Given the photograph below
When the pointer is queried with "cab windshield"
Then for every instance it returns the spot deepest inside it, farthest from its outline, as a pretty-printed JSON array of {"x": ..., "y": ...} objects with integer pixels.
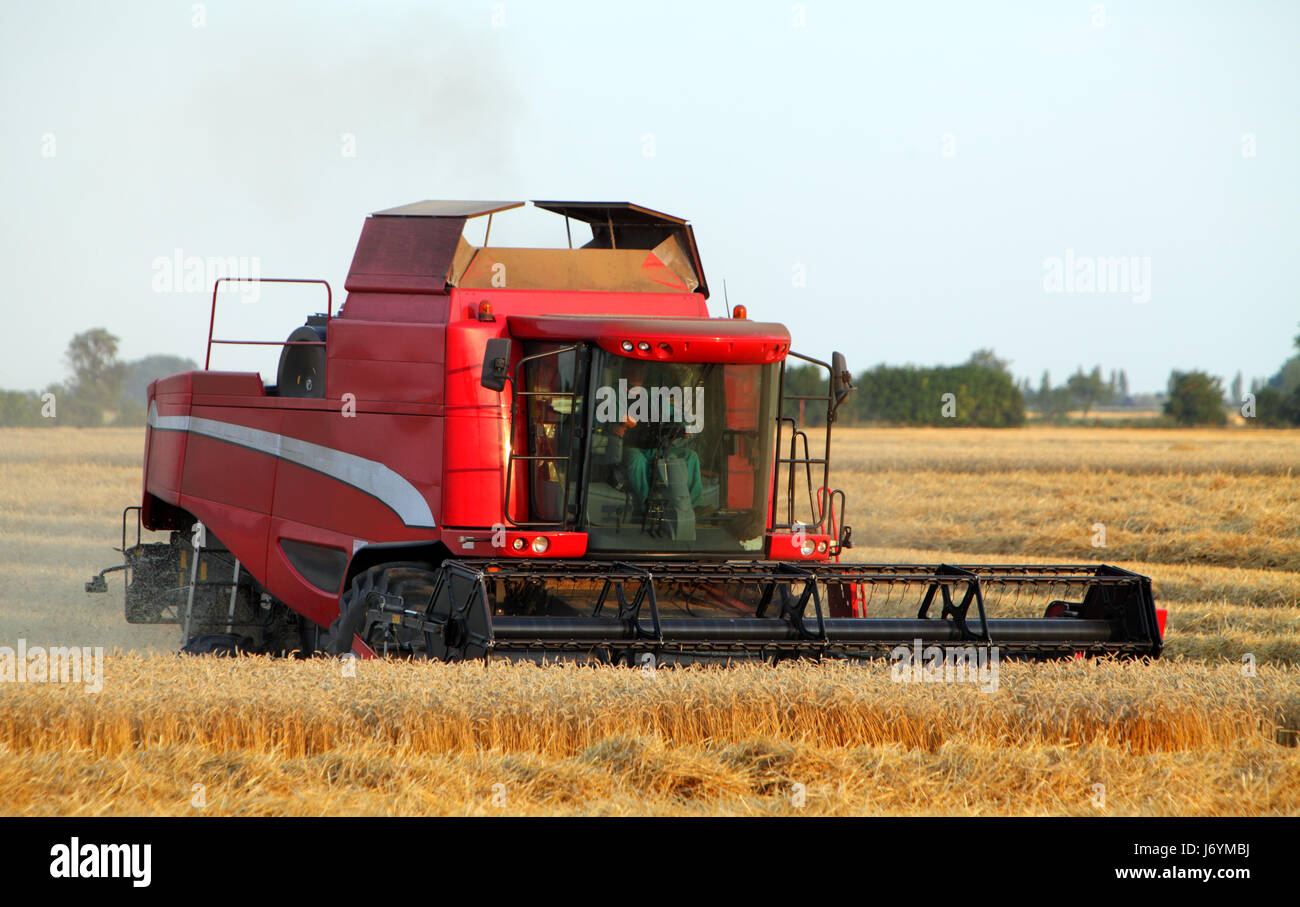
[{"x": 679, "y": 456}]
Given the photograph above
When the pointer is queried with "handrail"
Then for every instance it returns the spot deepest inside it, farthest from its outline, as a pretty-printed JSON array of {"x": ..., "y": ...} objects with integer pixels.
[
  {"x": 817, "y": 507},
  {"x": 212, "y": 317}
]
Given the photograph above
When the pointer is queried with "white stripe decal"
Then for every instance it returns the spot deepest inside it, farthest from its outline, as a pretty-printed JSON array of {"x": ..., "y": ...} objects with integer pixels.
[{"x": 369, "y": 476}]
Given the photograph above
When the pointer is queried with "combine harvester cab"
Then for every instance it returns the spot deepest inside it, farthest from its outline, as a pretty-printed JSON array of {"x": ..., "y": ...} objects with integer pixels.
[{"x": 548, "y": 454}]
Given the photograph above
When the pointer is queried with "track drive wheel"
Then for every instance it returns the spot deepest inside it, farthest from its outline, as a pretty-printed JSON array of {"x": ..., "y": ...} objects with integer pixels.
[{"x": 412, "y": 580}]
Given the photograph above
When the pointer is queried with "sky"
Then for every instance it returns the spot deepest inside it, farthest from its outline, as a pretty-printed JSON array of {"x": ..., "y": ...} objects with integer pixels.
[{"x": 905, "y": 182}]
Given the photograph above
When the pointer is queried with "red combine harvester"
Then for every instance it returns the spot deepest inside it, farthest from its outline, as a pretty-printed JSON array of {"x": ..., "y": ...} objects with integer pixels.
[{"x": 547, "y": 454}]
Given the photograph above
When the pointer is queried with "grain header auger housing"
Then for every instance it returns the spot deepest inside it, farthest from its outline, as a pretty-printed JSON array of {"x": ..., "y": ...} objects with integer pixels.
[{"x": 548, "y": 454}]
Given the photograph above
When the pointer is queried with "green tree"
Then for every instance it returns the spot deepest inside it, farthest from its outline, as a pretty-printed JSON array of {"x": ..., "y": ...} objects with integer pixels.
[
  {"x": 1087, "y": 389},
  {"x": 986, "y": 358},
  {"x": 1287, "y": 378},
  {"x": 1277, "y": 401},
  {"x": 1195, "y": 398},
  {"x": 1275, "y": 410},
  {"x": 908, "y": 395},
  {"x": 95, "y": 387},
  {"x": 1056, "y": 404},
  {"x": 98, "y": 386},
  {"x": 20, "y": 408}
]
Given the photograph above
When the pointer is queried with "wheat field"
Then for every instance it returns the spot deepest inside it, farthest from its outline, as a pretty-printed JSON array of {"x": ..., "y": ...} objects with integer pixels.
[{"x": 1212, "y": 516}]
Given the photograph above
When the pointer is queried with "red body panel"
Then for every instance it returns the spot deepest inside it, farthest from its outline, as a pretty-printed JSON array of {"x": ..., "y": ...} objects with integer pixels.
[
  {"x": 384, "y": 361},
  {"x": 316, "y": 604}
]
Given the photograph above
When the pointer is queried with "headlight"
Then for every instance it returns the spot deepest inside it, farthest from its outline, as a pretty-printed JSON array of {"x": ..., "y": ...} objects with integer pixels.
[
  {"x": 808, "y": 547},
  {"x": 540, "y": 544},
  {"x": 627, "y": 346},
  {"x": 821, "y": 547},
  {"x": 519, "y": 544}
]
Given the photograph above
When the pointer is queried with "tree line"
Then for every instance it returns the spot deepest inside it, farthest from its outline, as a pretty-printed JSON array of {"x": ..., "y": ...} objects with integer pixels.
[
  {"x": 100, "y": 389},
  {"x": 1081, "y": 391},
  {"x": 1277, "y": 400},
  {"x": 979, "y": 392},
  {"x": 1195, "y": 398},
  {"x": 983, "y": 392}
]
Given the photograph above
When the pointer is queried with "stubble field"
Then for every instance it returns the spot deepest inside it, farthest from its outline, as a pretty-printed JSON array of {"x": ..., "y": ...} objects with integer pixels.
[{"x": 1213, "y": 517}]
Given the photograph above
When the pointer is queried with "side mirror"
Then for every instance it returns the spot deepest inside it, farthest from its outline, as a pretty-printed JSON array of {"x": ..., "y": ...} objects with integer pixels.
[
  {"x": 841, "y": 380},
  {"x": 496, "y": 364}
]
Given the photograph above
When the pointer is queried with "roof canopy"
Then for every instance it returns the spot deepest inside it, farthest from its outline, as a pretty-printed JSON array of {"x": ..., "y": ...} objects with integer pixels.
[
  {"x": 601, "y": 212},
  {"x": 397, "y": 252},
  {"x": 446, "y": 208}
]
